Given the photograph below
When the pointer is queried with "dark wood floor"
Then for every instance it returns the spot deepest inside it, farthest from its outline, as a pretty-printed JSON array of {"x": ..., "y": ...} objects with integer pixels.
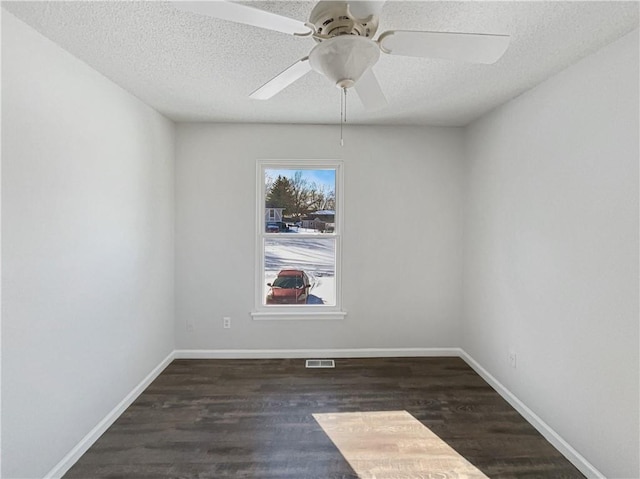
[{"x": 253, "y": 419}]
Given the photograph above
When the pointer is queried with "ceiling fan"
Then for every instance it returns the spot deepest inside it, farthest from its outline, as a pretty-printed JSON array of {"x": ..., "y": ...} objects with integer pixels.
[{"x": 345, "y": 49}]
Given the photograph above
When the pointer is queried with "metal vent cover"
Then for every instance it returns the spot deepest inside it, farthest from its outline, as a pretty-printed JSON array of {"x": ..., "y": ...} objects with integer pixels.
[{"x": 320, "y": 363}]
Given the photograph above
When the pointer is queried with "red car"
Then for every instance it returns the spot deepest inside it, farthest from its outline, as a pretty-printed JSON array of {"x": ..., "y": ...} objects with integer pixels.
[{"x": 290, "y": 287}]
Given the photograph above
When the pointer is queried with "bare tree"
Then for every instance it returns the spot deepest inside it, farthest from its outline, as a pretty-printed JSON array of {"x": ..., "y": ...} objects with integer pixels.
[
  {"x": 268, "y": 184},
  {"x": 330, "y": 201},
  {"x": 321, "y": 197},
  {"x": 300, "y": 190}
]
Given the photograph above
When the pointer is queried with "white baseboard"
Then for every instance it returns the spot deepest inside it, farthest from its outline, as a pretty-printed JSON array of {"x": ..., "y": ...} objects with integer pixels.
[
  {"x": 313, "y": 353},
  {"x": 86, "y": 442},
  {"x": 543, "y": 428}
]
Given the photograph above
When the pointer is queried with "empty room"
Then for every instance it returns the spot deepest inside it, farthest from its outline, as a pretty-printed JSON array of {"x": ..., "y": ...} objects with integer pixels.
[{"x": 313, "y": 240}]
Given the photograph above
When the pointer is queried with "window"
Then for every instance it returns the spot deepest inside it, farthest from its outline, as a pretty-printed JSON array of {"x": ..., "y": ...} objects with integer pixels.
[{"x": 298, "y": 240}]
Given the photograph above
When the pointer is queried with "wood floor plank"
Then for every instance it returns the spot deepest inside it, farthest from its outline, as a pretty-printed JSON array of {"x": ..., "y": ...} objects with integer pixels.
[{"x": 254, "y": 419}]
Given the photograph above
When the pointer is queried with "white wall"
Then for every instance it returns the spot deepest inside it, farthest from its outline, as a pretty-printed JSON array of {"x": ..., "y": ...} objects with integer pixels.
[
  {"x": 551, "y": 243},
  {"x": 402, "y": 235},
  {"x": 87, "y": 223}
]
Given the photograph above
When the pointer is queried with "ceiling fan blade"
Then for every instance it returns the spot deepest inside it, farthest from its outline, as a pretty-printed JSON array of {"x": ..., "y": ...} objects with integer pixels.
[
  {"x": 361, "y": 9},
  {"x": 369, "y": 91},
  {"x": 282, "y": 80},
  {"x": 470, "y": 47},
  {"x": 236, "y": 12}
]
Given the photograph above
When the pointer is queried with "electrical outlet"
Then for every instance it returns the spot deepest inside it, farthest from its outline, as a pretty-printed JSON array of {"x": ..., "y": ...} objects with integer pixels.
[
  {"x": 189, "y": 326},
  {"x": 512, "y": 359},
  {"x": 226, "y": 322}
]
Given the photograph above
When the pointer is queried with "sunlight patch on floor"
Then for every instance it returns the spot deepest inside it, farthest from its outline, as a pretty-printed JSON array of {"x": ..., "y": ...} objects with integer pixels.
[{"x": 394, "y": 445}]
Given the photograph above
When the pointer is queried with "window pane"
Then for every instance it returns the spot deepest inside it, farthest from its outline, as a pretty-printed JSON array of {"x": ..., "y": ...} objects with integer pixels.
[
  {"x": 300, "y": 201},
  {"x": 300, "y": 271}
]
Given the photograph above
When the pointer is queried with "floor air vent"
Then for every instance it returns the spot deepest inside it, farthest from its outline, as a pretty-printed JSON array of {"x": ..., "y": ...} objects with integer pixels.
[{"x": 320, "y": 363}]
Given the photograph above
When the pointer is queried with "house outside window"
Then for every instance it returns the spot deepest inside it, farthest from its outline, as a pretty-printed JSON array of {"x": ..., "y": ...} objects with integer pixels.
[{"x": 298, "y": 239}]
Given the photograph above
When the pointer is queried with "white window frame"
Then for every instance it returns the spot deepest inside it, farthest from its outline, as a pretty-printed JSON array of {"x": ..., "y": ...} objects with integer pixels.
[{"x": 308, "y": 311}]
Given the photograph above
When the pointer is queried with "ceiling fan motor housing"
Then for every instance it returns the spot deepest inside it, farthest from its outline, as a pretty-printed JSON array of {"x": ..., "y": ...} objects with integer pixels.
[{"x": 333, "y": 18}]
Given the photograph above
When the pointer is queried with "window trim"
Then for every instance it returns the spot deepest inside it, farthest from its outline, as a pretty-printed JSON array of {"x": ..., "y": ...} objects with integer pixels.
[{"x": 308, "y": 311}]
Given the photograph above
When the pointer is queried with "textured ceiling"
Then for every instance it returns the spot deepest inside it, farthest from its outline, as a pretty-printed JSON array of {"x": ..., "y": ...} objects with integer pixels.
[{"x": 196, "y": 68}]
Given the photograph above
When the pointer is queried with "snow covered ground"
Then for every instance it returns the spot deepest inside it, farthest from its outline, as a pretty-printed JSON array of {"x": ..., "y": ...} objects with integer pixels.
[{"x": 314, "y": 256}]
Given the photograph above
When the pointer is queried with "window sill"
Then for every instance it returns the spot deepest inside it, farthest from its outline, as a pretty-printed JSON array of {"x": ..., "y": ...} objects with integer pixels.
[{"x": 298, "y": 315}]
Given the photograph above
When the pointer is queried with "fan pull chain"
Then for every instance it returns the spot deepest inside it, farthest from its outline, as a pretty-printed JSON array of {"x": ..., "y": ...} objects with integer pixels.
[
  {"x": 345, "y": 104},
  {"x": 341, "y": 118},
  {"x": 343, "y": 113}
]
